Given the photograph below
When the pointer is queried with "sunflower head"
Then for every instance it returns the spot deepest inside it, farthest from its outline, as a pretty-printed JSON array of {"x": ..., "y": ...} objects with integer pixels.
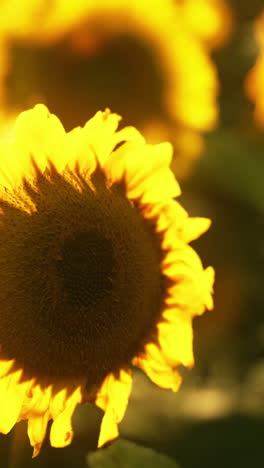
[
  {"x": 96, "y": 272},
  {"x": 158, "y": 50}
]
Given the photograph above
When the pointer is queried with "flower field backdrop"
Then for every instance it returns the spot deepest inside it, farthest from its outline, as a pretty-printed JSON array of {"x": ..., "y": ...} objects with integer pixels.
[{"x": 190, "y": 72}]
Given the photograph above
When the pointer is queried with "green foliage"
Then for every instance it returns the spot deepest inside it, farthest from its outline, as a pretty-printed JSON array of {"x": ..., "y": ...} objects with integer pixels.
[
  {"x": 125, "y": 454},
  {"x": 235, "y": 166}
]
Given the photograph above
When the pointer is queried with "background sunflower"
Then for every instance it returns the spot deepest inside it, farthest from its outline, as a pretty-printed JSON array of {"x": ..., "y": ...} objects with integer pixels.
[
  {"x": 136, "y": 57},
  {"x": 216, "y": 419}
]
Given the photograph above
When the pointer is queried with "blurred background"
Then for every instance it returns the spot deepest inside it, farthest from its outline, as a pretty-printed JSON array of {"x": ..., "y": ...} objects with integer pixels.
[{"x": 191, "y": 72}]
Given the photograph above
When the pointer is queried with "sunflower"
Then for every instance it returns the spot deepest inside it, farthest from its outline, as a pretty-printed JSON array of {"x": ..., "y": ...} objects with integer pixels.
[
  {"x": 96, "y": 272},
  {"x": 254, "y": 80},
  {"x": 159, "y": 50}
]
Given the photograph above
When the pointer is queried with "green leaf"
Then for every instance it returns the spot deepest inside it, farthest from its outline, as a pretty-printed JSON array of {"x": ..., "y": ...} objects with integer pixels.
[
  {"x": 125, "y": 454},
  {"x": 235, "y": 165}
]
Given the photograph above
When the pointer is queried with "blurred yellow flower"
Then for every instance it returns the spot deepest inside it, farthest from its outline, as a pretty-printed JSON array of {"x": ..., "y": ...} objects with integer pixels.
[
  {"x": 164, "y": 80},
  {"x": 210, "y": 20},
  {"x": 95, "y": 271},
  {"x": 255, "y": 78}
]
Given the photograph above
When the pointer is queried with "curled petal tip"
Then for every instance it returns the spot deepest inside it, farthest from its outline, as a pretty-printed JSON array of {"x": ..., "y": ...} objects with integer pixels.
[{"x": 36, "y": 450}]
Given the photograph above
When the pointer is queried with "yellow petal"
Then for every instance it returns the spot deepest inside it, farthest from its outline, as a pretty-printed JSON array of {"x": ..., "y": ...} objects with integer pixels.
[
  {"x": 181, "y": 262},
  {"x": 12, "y": 167},
  {"x": 37, "y": 428},
  {"x": 108, "y": 429},
  {"x": 78, "y": 151},
  {"x": 176, "y": 340},
  {"x": 146, "y": 163},
  {"x": 128, "y": 134},
  {"x": 208, "y": 281},
  {"x": 36, "y": 401},
  {"x": 115, "y": 166},
  {"x": 96, "y": 140},
  {"x": 99, "y": 134},
  {"x": 58, "y": 403},
  {"x": 11, "y": 397},
  {"x": 172, "y": 214},
  {"x": 159, "y": 186},
  {"x": 5, "y": 367},
  {"x": 157, "y": 369},
  {"x": 115, "y": 392},
  {"x": 112, "y": 398},
  {"x": 61, "y": 432},
  {"x": 144, "y": 168},
  {"x": 194, "y": 228},
  {"x": 92, "y": 143},
  {"x": 38, "y": 135}
]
